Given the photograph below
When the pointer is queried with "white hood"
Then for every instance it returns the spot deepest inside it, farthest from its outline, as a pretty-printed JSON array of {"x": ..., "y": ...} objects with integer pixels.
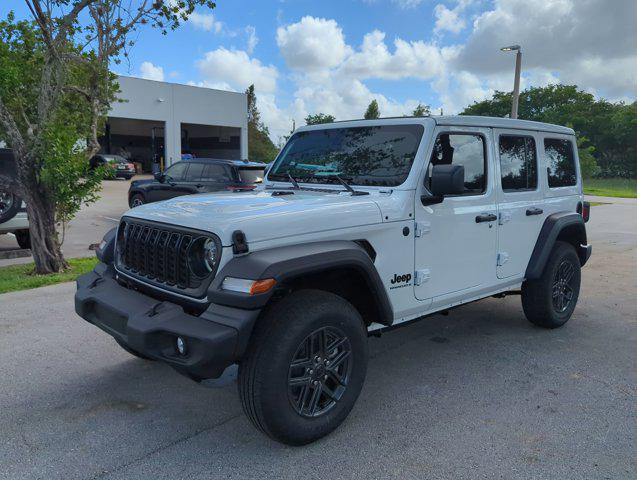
[{"x": 262, "y": 216}]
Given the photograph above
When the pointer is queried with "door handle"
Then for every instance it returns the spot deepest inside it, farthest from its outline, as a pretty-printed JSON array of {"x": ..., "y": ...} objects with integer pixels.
[
  {"x": 486, "y": 217},
  {"x": 534, "y": 211}
]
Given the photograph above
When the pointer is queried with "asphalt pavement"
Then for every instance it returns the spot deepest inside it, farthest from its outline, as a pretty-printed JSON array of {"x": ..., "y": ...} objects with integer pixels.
[{"x": 480, "y": 393}]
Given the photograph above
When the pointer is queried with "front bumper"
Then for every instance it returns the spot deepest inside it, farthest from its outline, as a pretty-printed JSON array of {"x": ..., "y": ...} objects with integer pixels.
[{"x": 215, "y": 339}]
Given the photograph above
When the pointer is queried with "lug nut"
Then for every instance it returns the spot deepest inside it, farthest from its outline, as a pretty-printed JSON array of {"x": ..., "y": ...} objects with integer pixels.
[{"x": 311, "y": 372}]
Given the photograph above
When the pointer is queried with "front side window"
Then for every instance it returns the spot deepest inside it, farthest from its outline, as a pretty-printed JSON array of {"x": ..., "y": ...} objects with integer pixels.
[
  {"x": 177, "y": 171},
  {"x": 518, "y": 163},
  {"x": 560, "y": 162},
  {"x": 374, "y": 156},
  {"x": 194, "y": 172},
  {"x": 464, "y": 149}
]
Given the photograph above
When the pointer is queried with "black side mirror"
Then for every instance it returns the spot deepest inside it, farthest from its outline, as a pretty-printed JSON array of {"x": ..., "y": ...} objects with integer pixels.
[
  {"x": 159, "y": 177},
  {"x": 445, "y": 180}
]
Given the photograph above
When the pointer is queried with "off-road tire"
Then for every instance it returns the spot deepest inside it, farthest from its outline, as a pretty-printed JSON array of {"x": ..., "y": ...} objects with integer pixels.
[
  {"x": 264, "y": 373},
  {"x": 538, "y": 295},
  {"x": 136, "y": 198},
  {"x": 11, "y": 212},
  {"x": 23, "y": 238},
  {"x": 135, "y": 353}
]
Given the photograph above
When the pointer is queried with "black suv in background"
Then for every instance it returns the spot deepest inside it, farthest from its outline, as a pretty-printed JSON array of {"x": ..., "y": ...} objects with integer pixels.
[{"x": 200, "y": 175}]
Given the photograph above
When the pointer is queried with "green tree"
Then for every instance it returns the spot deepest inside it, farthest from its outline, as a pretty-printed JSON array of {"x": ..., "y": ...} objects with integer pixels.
[
  {"x": 372, "y": 111},
  {"x": 55, "y": 92},
  {"x": 319, "y": 118},
  {"x": 421, "y": 111},
  {"x": 260, "y": 146},
  {"x": 609, "y": 128}
]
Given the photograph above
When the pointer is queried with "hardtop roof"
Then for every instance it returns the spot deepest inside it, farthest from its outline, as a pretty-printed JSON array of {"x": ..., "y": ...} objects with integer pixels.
[{"x": 451, "y": 120}]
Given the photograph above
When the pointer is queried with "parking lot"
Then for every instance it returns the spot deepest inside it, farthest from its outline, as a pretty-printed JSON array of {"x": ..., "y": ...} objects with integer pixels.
[
  {"x": 90, "y": 224},
  {"x": 480, "y": 393}
]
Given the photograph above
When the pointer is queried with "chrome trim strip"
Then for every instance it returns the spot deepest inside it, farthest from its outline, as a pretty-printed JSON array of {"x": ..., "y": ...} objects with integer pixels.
[{"x": 169, "y": 292}]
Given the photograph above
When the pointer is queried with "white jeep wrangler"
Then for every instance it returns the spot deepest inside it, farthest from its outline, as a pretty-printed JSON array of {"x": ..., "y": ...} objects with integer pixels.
[{"x": 361, "y": 226}]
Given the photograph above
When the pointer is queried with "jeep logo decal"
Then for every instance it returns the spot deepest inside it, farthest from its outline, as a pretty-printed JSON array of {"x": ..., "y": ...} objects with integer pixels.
[{"x": 406, "y": 278}]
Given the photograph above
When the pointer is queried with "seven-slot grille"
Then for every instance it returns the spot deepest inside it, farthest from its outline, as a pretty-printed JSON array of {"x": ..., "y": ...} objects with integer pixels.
[{"x": 159, "y": 254}]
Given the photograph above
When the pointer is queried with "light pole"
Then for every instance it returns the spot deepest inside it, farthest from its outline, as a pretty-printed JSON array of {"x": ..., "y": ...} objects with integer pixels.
[{"x": 516, "y": 82}]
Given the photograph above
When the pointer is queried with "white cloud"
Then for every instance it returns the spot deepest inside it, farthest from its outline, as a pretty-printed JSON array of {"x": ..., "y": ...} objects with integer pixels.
[
  {"x": 312, "y": 43},
  {"x": 151, "y": 72},
  {"x": 252, "y": 39},
  {"x": 448, "y": 19},
  {"x": 205, "y": 21},
  {"x": 587, "y": 42},
  {"x": 237, "y": 70}
]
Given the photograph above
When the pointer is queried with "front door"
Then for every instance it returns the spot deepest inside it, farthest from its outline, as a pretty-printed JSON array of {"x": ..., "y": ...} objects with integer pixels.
[
  {"x": 520, "y": 198},
  {"x": 172, "y": 185},
  {"x": 455, "y": 240}
]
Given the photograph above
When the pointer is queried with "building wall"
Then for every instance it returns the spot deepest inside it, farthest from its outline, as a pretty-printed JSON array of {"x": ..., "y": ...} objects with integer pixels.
[{"x": 176, "y": 104}]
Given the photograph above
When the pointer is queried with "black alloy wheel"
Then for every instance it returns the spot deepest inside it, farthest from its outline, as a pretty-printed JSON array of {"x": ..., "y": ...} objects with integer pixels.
[
  {"x": 319, "y": 372},
  {"x": 563, "y": 292}
]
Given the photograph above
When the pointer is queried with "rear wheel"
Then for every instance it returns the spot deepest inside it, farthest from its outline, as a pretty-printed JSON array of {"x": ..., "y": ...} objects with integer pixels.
[
  {"x": 24, "y": 239},
  {"x": 9, "y": 206},
  {"x": 136, "y": 200},
  {"x": 304, "y": 368},
  {"x": 550, "y": 300}
]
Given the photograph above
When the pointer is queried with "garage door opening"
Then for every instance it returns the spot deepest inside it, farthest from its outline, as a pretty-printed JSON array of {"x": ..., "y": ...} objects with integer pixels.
[
  {"x": 140, "y": 141},
  {"x": 210, "y": 141}
]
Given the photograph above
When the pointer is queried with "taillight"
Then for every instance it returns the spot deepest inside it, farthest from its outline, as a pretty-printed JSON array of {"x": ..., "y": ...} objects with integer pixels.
[
  {"x": 584, "y": 209},
  {"x": 130, "y": 166}
]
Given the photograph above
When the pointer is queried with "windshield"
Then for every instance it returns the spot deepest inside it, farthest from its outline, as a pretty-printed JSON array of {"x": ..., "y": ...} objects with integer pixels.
[
  {"x": 251, "y": 175},
  {"x": 374, "y": 156}
]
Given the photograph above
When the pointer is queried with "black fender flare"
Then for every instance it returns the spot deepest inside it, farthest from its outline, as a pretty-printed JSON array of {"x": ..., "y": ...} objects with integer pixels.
[
  {"x": 286, "y": 263},
  {"x": 566, "y": 224}
]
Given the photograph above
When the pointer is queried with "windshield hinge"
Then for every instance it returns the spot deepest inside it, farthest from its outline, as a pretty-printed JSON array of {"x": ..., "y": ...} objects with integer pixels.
[
  {"x": 421, "y": 228},
  {"x": 421, "y": 276}
]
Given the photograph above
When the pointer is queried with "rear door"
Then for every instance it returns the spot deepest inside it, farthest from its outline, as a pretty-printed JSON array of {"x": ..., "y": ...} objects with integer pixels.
[
  {"x": 521, "y": 210},
  {"x": 456, "y": 240}
]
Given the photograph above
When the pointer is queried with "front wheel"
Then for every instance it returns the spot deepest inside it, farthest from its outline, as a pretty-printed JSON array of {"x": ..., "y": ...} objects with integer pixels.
[
  {"x": 304, "y": 368},
  {"x": 136, "y": 200},
  {"x": 550, "y": 300}
]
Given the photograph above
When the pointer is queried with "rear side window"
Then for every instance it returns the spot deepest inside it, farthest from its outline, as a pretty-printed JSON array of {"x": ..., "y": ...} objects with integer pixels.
[
  {"x": 518, "y": 163},
  {"x": 464, "y": 149},
  {"x": 215, "y": 173},
  {"x": 560, "y": 162}
]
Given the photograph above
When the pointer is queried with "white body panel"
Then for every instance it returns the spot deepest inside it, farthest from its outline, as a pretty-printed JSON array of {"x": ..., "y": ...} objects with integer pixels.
[{"x": 456, "y": 257}]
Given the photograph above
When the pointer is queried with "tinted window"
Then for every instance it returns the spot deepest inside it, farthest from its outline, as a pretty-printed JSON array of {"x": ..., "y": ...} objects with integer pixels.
[
  {"x": 466, "y": 150},
  {"x": 215, "y": 173},
  {"x": 380, "y": 156},
  {"x": 194, "y": 172},
  {"x": 560, "y": 162},
  {"x": 177, "y": 171},
  {"x": 518, "y": 163},
  {"x": 251, "y": 175}
]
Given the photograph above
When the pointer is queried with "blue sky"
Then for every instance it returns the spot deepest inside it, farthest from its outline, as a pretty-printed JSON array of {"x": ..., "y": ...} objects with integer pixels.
[{"x": 336, "y": 56}]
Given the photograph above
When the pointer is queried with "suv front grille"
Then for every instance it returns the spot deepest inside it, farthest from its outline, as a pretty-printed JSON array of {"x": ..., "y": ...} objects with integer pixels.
[{"x": 156, "y": 253}]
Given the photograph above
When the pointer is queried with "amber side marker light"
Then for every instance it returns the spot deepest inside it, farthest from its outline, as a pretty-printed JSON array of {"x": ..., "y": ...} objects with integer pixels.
[{"x": 251, "y": 287}]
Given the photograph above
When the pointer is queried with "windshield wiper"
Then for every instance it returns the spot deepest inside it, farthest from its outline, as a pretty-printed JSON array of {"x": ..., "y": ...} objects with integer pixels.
[
  {"x": 347, "y": 186},
  {"x": 295, "y": 184}
]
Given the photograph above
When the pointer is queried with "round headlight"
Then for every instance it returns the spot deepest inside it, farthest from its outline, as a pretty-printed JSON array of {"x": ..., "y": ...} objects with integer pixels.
[{"x": 203, "y": 257}]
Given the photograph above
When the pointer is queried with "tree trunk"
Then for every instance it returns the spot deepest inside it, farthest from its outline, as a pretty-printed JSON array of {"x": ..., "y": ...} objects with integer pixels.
[{"x": 45, "y": 246}]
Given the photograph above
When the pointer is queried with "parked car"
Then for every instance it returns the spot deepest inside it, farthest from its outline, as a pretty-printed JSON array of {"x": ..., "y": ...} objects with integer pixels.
[
  {"x": 362, "y": 226},
  {"x": 13, "y": 212},
  {"x": 197, "y": 175},
  {"x": 117, "y": 166}
]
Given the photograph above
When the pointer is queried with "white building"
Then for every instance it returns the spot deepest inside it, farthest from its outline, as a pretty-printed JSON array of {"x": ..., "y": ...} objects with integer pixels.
[{"x": 159, "y": 122}]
